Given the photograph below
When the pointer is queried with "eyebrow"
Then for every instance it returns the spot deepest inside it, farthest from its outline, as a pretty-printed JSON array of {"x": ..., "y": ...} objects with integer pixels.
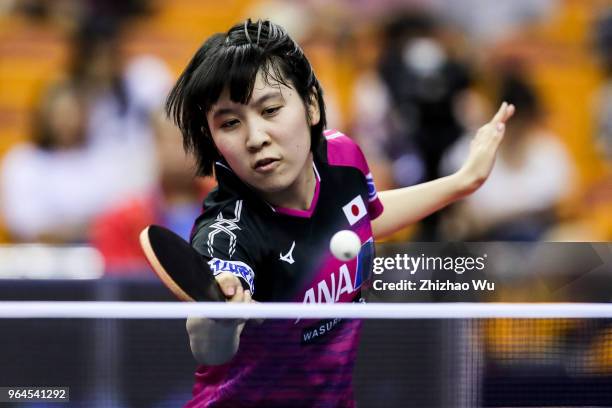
[{"x": 258, "y": 101}]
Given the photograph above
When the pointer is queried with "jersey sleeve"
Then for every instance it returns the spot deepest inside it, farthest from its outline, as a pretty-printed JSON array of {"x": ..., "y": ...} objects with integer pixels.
[
  {"x": 343, "y": 151},
  {"x": 225, "y": 241}
]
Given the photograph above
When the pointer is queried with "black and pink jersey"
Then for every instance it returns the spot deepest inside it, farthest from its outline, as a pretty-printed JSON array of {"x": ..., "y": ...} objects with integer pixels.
[{"x": 283, "y": 256}]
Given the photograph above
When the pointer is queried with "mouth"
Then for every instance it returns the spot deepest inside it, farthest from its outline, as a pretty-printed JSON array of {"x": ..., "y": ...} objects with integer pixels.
[{"x": 265, "y": 165}]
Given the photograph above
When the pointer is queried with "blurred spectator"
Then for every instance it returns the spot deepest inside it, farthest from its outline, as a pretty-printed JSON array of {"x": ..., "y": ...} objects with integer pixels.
[
  {"x": 69, "y": 12},
  {"x": 92, "y": 141},
  {"x": 532, "y": 173},
  {"x": 52, "y": 186},
  {"x": 174, "y": 203},
  {"x": 603, "y": 107},
  {"x": 407, "y": 111},
  {"x": 121, "y": 97},
  {"x": 589, "y": 215},
  {"x": 488, "y": 22}
]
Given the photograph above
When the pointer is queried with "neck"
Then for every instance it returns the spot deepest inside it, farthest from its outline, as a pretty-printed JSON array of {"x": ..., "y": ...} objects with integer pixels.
[{"x": 300, "y": 194}]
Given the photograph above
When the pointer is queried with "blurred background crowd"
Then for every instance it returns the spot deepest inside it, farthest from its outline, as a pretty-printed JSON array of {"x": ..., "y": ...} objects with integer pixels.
[{"x": 87, "y": 156}]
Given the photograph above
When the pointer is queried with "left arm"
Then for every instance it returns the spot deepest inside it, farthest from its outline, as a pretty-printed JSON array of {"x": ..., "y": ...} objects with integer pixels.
[{"x": 408, "y": 205}]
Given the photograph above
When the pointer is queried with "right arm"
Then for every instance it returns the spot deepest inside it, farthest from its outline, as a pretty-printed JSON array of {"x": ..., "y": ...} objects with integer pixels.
[{"x": 215, "y": 342}]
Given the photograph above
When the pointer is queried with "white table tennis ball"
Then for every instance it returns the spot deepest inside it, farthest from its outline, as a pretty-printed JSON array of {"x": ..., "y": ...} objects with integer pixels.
[{"x": 345, "y": 245}]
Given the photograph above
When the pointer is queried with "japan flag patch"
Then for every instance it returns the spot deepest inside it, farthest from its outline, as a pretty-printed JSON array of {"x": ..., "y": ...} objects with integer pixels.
[{"x": 354, "y": 210}]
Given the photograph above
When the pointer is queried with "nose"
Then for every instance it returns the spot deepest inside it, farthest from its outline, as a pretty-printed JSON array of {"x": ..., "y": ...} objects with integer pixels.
[{"x": 257, "y": 138}]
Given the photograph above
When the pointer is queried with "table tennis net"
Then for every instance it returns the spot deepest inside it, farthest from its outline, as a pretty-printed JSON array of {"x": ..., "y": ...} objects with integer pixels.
[{"x": 417, "y": 362}]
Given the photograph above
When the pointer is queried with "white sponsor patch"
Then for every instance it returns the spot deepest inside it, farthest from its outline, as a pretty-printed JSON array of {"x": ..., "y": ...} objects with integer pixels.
[{"x": 236, "y": 268}]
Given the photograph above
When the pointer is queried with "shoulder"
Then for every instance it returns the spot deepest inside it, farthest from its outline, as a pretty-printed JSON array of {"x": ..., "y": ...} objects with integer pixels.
[
  {"x": 224, "y": 226},
  {"x": 344, "y": 151},
  {"x": 229, "y": 212}
]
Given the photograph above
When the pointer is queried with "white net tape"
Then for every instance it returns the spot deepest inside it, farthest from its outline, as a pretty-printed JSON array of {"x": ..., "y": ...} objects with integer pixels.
[{"x": 177, "y": 310}]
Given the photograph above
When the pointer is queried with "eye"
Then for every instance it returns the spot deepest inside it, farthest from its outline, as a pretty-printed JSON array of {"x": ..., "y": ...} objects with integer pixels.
[
  {"x": 271, "y": 111},
  {"x": 229, "y": 124}
]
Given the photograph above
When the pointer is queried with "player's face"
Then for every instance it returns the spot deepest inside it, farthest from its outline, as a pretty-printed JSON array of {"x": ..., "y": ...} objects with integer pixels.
[{"x": 267, "y": 141}]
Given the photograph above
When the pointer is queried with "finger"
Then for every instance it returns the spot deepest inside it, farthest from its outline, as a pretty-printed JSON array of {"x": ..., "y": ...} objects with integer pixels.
[
  {"x": 500, "y": 113},
  {"x": 239, "y": 296},
  {"x": 250, "y": 299},
  {"x": 509, "y": 112},
  {"x": 228, "y": 283},
  {"x": 228, "y": 288}
]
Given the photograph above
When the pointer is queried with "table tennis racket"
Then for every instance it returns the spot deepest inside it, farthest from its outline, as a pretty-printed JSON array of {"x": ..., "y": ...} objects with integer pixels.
[{"x": 180, "y": 267}]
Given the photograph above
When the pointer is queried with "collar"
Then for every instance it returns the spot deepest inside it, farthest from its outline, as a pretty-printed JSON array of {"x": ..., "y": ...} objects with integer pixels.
[{"x": 228, "y": 181}]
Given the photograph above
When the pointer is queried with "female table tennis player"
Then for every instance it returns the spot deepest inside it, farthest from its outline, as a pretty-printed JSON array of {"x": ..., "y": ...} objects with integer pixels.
[{"x": 251, "y": 109}]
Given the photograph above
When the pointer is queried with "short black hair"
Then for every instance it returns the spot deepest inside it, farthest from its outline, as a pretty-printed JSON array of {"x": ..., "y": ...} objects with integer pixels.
[{"x": 233, "y": 60}]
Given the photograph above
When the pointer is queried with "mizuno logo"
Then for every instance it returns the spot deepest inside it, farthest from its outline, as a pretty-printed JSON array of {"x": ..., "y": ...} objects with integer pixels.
[{"x": 288, "y": 257}]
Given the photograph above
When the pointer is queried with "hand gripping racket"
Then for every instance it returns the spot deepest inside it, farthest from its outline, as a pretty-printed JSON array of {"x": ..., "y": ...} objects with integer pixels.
[{"x": 180, "y": 267}]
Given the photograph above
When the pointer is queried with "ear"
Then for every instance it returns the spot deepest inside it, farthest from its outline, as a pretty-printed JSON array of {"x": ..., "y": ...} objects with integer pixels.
[{"x": 314, "y": 113}]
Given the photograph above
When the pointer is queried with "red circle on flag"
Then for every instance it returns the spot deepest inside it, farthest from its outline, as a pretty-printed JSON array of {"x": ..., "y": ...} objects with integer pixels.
[{"x": 355, "y": 210}]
